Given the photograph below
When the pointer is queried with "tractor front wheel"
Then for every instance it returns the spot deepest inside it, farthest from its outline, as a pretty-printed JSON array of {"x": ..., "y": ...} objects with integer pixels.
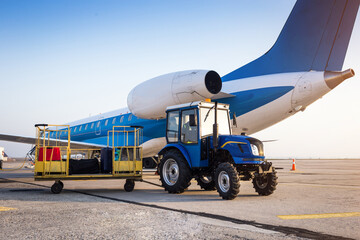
[
  {"x": 265, "y": 184},
  {"x": 227, "y": 181}
]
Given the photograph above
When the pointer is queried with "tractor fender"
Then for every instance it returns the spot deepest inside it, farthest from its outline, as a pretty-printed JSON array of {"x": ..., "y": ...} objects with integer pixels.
[{"x": 179, "y": 148}]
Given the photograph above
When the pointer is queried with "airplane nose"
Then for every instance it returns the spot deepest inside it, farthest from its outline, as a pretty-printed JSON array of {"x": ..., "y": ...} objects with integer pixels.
[{"x": 332, "y": 79}]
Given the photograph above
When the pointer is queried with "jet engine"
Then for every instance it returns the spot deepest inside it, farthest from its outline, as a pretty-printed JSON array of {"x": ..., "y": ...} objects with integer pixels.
[{"x": 150, "y": 99}]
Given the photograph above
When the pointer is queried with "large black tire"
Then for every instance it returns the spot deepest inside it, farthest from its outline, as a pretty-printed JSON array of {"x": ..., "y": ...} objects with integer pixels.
[
  {"x": 175, "y": 173},
  {"x": 265, "y": 185},
  {"x": 129, "y": 185},
  {"x": 57, "y": 187},
  {"x": 206, "y": 182},
  {"x": 227, "y": 181}
]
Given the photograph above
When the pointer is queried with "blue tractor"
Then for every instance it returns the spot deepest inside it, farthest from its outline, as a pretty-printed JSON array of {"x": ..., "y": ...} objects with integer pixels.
[{"x": 200, "y": 146}]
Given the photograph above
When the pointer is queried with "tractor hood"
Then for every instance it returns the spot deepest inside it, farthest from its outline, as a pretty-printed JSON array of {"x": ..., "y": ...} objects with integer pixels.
[{"x": 242, "y": 148}]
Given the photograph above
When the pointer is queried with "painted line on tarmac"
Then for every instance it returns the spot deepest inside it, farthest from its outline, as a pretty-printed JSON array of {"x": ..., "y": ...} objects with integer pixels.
[
  {"x": 322, "y": 185},
  {"x": 3, "y": 209},
  {"x": 293, "y": 231},
  {"x": 323, "y": 215}
]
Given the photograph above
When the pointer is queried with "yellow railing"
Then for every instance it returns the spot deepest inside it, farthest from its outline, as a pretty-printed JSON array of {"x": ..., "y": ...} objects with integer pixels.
[
  {"x": 50, "y": 150},
  {"x": 52, "y": 155},
  {"x": 127, "y": 153}
]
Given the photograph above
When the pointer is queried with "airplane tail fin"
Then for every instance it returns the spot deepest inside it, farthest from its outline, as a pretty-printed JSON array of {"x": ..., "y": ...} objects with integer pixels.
[{"x": 315, "y": 37}]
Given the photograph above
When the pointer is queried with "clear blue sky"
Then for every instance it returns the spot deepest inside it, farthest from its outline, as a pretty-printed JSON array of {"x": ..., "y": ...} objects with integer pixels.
[{"x": 65, "y": 60}]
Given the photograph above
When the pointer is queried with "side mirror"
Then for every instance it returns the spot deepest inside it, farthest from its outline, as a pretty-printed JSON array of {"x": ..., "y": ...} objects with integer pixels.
[{"x": 193, "y": 121}]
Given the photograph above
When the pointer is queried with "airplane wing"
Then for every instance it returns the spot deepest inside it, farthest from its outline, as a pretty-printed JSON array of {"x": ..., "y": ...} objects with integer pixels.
[
  {"x": 32, "y": 140},
  {"x": 222, "y": 95}
]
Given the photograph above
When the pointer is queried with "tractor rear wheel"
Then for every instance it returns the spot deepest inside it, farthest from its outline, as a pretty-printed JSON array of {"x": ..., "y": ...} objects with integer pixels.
[
  {"x": 206, "y": 182},
  {"x": 227, "y": 181},
  {"x": 175, "y": 173},
  {"x": 265, "y": 184}
]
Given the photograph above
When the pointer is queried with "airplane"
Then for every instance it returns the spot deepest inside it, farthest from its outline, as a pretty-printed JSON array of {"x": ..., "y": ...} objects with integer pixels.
[{"x": 303, "y": 65}]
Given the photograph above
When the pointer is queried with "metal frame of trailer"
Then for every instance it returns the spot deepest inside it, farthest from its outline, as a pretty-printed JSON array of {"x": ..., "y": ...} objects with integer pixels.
[{"x": 53, "y": 154}]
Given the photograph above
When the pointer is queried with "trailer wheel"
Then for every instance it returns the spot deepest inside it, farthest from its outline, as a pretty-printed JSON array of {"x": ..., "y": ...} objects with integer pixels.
[
  {"x": 227, "y": 181},
  {"x": 265, "y": 185},
  {"x": 129, "y": 185},
  {"x": 57, "y": 187},
  {"x": 175, "y": 173},
  {"x": 206, "y": 182}
]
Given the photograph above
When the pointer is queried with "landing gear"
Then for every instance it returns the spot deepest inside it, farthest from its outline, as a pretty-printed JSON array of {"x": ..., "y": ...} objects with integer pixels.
[
  {"x": 265, "y": 184},
  {"x": 149, "y": 163},
  {"x": 227, "y": 181},
  {"x": 206, "y": 182},
  {"x": 57, "y": 187},
  {"x": 129, "y": 185},
  {"x": 175, "y": 174}
]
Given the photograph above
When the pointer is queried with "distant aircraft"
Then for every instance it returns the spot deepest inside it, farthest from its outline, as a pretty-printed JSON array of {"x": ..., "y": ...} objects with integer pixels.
[{"x": 304, "y": 64}]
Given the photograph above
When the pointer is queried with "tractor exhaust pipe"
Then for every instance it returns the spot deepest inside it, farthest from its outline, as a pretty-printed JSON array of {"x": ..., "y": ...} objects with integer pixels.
[{"x": 215, "y": 130}]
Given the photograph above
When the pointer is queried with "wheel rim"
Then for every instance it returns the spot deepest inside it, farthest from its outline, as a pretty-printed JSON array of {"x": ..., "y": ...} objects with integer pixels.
[
  {"x": 261, "y": 182},
  {"x": 206, "y": 179},
  {"x": 170, "y": 172},
  {"x": 224, "y": 181}
]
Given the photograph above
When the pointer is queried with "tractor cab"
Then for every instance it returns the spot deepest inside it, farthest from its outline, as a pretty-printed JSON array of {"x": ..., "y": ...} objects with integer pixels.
[{"x": 191, "y": 127}]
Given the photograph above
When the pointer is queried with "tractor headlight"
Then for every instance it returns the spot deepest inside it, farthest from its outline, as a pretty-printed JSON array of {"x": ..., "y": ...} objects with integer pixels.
[{"x": 254, "y": 149}]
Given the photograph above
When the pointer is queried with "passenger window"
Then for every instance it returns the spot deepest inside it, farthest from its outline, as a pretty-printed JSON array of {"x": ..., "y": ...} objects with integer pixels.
[
  {"x": 80, "y": 128},
  {"x": 172, "y": 129},
  {"x": 129, "y": 119},
  {"x": 113, "y": 122},
  {"x": 75, "y": 129},
  {"x": 106, "y": 122},
  {"x": 92, "y": 125},
  {"x": 121, "y": 119},
  {"x": 98, "y": 124},
  {"x": 86, "y": 126},
  {"x": 189, "y": 132}
]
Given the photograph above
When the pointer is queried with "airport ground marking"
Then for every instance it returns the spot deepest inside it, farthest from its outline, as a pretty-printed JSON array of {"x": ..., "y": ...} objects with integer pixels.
[
  {"x": 321, "y": 185},
  {"x": 3, "y": 209},
  {"x": 323, "y": 215},
  {"x": 300, "y": 232}
]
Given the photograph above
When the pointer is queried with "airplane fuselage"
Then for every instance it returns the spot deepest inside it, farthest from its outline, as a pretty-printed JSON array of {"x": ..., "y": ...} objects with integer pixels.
[{"x": 257, "y": 102}]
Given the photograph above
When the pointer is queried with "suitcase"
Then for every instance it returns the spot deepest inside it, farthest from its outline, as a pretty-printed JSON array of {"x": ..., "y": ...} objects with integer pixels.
[
  {"x": 83, "y": 166},
  {"x": 106, "y": 160},
  {"x": 51, "y": 154}
]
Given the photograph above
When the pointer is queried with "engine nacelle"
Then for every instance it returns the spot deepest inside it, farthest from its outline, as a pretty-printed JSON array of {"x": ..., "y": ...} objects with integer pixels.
[{"x": 151, "y": 98}]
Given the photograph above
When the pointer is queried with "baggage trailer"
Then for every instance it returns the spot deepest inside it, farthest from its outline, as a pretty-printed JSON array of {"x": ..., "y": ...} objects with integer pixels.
[{"x": 56, "y": 160}]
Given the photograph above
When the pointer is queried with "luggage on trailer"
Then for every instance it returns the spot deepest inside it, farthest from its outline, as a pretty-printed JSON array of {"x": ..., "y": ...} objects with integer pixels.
[
  {"x": 83, "y": 166},
  {"x": 106, "y": 160},
  {"x": 51, "y": 154}
]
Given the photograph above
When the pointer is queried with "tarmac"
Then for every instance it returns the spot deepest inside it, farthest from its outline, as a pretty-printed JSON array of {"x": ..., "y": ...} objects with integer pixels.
[{"x": 320, "y": 200}]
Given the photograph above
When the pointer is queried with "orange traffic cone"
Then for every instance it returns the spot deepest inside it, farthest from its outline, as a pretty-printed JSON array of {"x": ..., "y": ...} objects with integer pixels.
[{"x": 293, "y": 168}]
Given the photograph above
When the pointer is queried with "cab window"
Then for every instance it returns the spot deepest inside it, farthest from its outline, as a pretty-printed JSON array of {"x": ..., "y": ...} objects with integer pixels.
[
  {"x": 172, "y": 129},
  {"x": 189, "y": 128}
]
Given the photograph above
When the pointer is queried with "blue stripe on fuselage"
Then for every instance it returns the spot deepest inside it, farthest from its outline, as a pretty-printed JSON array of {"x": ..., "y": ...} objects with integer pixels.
[{"x": 249, "y": 100}]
